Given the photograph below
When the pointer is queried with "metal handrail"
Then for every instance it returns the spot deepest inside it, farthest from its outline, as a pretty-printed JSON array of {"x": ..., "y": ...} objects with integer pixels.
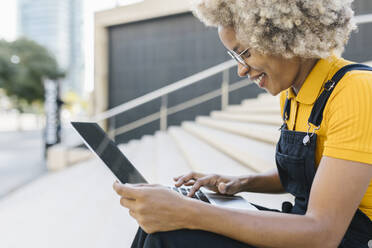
[
  {"x": 360, "y": 19},
  {"x": 182, "y": 106},
  {"x": 165, "y": 90}
]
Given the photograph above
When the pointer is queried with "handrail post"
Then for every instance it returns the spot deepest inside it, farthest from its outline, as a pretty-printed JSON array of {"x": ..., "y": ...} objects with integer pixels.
[
  {"x": 225, "y": 89},
  {"x": 163, "y": 113},
  {"x": 112, "y": 128}
]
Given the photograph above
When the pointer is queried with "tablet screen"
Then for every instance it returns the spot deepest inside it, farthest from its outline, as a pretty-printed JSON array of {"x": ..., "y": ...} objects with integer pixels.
[{"x": 99, "y": 142}]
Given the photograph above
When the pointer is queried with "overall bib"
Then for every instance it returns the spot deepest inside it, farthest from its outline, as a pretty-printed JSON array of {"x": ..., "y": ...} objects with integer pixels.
[{"x": 295, "y": 159}]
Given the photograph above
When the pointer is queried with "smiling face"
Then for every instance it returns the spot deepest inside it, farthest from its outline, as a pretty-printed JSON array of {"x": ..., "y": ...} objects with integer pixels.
[{"x": 273, "y": 73}]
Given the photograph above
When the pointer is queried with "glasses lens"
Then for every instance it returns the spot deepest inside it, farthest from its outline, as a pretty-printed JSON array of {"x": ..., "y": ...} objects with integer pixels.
[
  {"x": 237, "y": 58},
  {"x": 232, "y": 55}
]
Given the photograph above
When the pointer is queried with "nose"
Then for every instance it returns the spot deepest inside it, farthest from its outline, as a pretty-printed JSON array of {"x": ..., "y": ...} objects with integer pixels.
[{"x": 243, "y": 71}]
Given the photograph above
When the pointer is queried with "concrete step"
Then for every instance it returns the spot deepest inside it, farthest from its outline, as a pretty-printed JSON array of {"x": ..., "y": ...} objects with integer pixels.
[
  {"x": 169, "y": 160},
  {"x": 272, "y": 109},
  {"x": 272, "y": 119},
  {"x": 156, "y": 157},
  {"x": 256, "y": 155},
  {"x": 266, "y": 95},
  {"x": 262, "y": 99},
  {"x": 133, "y": 142},
  {"x": 264, "y": 133},
  {"x": 60, "y": 156},
  {"x": 203, "y": 158},
  {"x": 142, "y": 155},
  {"x": 129, "y": 150}
]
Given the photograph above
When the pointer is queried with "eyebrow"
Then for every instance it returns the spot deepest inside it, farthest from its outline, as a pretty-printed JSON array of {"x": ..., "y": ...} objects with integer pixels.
[{"x": 235, "y": 49}]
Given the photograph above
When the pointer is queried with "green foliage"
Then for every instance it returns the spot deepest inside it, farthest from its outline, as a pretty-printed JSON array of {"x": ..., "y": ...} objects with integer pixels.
[{"x": 23, "y": 65}]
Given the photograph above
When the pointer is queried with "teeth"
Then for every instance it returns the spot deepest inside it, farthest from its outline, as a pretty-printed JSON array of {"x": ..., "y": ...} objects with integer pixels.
[{"x": 258, "y": 80}]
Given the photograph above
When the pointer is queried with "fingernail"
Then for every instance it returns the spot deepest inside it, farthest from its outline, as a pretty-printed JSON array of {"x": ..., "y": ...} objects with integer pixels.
[{"x": 222, "y": 188}]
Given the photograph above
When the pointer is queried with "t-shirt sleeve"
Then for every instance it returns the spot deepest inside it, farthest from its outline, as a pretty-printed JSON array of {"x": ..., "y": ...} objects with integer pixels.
[{"x": 349, "y": 119}]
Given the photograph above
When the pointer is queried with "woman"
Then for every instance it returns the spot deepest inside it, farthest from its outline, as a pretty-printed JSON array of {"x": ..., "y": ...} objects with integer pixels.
[{"x": 324, "y": 155}]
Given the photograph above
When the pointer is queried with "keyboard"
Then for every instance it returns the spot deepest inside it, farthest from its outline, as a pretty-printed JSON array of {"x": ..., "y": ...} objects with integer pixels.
[{"x": 198, "y": 194}]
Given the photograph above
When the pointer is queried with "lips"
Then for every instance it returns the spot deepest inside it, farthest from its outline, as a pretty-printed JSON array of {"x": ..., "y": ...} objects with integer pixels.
[
  {"x": 259, "y": 79},
  {"x": 253, "y": 78}
]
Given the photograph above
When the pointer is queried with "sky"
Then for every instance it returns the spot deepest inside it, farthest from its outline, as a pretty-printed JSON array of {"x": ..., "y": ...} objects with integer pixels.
[
  {"x": 8, "y": 19},
  {"x": 8, "y": 29},
  {"x": 8, "y": 15}
]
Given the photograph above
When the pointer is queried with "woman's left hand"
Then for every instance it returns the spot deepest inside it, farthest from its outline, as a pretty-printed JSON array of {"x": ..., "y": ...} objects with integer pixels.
[{"x": 156, "y": 208}]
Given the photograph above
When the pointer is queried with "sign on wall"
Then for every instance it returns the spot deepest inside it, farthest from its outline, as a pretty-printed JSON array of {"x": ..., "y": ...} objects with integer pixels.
[{"x": 52, "y": 111}]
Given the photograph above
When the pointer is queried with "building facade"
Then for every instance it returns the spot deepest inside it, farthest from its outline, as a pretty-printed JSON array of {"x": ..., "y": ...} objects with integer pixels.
[
  {"x": 57, "y": 25},
  {"x": 146, "y": 46}
]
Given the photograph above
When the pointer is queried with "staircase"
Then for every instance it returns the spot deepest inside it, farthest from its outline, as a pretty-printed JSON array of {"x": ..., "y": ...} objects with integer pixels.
[{"x": 77, "y": 207}]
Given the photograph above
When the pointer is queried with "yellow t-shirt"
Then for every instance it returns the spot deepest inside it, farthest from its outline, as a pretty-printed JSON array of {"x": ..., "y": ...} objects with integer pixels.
[{"x": 346, "y": 129}]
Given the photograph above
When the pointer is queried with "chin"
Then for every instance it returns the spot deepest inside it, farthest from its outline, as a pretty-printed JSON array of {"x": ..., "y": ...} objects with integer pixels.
[
  {"x": 272, "y": 92},
  {"x": 267, "y": 86}
]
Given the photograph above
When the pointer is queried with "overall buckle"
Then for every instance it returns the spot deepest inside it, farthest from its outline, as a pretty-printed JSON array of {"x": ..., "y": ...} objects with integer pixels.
[
  {"x": 329, "y": 85},
  {"x": 306, "y": 139}
]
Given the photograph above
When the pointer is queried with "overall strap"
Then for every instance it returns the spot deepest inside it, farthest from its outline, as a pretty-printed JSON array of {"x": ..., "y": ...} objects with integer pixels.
[
  {"x": 286, "y": 113},
  {"x": 286, "y": 110},
  {"x": 316, "y": 115}
]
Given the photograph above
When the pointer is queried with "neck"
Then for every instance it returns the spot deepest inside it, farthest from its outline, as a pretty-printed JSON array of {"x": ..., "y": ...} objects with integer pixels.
[{"x": 306, "y": 65}]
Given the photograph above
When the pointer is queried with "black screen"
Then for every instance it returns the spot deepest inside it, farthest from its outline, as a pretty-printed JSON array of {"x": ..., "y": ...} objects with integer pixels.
[{"x": 98, "y": 141}]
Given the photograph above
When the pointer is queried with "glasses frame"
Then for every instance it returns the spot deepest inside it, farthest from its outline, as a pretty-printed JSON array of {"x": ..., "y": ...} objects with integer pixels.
[{"x": 238, "y": 57}]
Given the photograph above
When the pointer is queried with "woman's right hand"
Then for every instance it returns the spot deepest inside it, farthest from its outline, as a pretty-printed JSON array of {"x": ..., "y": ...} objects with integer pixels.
[{"x": 228, "y": 185}]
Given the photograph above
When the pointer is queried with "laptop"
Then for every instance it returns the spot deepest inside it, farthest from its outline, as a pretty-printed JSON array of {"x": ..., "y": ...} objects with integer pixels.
[{"x": 105, "y": 148}]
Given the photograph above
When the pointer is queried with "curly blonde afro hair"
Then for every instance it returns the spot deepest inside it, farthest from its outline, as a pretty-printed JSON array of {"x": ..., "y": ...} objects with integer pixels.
[{"x": 304, "y": 28}]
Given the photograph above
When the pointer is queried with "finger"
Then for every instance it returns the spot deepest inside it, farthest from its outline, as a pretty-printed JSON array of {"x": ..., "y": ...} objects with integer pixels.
[
  {"x": 127, "y": 203},
  {"x": 183, "y": 179},
  {"x": 127, "y": 190},
  {"x": 176, "y": 178},
  {"x": 222, "y": 188},
  {"x": 189, "y": 183},
  {"x": 188, "y": 174},
  {"x": 198, "y": 183},
  {"x": 227, "y": 188},
  {"x": 132, "y": 213},
  {"x": 186, "y": 178}
]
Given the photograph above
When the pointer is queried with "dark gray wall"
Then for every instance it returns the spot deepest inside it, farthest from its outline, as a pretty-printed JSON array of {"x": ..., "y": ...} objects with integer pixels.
[
  {"x": 145, "y": 56},
  {"x": 362, "y": 7},
  {"x": 148, "y": 55},
  {"x": 359, "y": 48}
]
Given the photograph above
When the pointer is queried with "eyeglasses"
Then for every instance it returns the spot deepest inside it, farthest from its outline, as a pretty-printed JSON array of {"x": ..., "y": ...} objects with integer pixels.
[{"x": 238, "y": 57}]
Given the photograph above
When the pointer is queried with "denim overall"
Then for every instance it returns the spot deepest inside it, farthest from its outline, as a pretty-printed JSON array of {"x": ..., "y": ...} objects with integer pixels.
[{"x": 295, "y": 159}]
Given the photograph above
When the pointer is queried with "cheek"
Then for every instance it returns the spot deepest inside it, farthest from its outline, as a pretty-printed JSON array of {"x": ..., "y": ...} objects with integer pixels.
[
  {"x": 277, "y": 82},
  {"x": 282, "y": 77}
]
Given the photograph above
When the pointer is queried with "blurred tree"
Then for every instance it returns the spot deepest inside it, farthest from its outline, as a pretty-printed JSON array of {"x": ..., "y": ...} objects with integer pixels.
[{"x": 23, "y": 65}]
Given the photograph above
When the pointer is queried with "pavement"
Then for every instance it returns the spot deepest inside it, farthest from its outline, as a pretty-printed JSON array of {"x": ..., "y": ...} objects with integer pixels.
[
  {"x": 74, "y": 208},
  {"x": 21, "y": 159}
]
